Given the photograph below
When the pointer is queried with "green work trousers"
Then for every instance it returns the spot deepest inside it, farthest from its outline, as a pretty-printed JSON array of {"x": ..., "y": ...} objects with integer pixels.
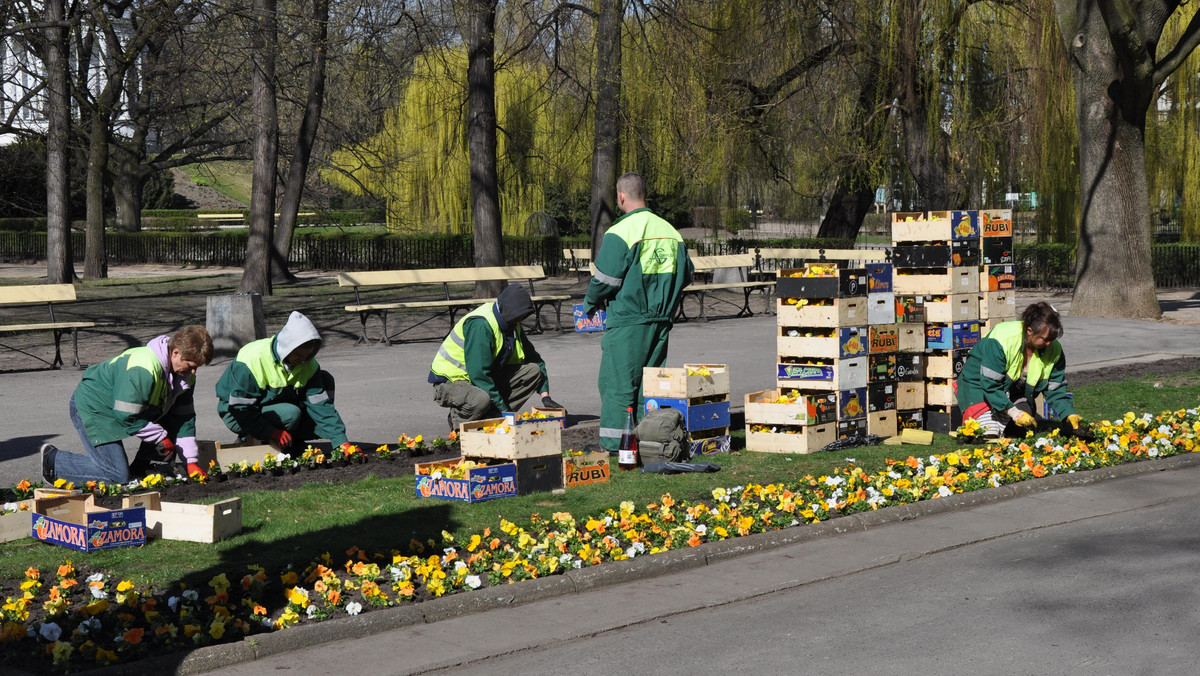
[
  {"x": 468, "y": 402},
  {"x": 626, "y": 351}
]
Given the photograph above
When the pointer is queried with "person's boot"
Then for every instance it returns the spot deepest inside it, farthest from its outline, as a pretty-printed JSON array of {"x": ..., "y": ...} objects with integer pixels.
[{"x": 48, "y": 453}]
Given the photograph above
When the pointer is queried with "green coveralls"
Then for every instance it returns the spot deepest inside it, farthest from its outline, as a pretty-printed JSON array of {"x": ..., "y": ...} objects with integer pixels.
[
  {"x": 641, "y": 270},
  {"x": 992, "y": 373}
]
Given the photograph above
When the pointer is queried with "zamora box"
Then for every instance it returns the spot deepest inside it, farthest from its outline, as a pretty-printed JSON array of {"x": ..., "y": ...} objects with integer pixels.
[
  {"x": 183, "y": 521},
  {"x": 489, "y": 482},
  {"x": 75, "y": 522}
]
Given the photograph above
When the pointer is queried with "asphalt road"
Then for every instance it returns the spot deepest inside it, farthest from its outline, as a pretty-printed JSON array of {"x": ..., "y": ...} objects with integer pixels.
[{"x": 1095, "y": 579}]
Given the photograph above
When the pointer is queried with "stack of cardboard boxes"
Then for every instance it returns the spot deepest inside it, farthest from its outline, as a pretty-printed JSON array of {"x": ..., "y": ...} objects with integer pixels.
[{"x": 701, "y": 393}]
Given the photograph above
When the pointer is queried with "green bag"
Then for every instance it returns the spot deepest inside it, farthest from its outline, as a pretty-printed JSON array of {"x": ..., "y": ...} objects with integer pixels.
[{"x": 663, "y": 437}]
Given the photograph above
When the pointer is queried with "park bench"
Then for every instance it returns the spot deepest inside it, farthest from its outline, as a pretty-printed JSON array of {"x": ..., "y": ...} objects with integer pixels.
[
  {"x": 708, "y": 266},
  {"x": 35, "y": 294},
  {"x": 239, "y": 219},
  {"x": 449, "y": 303},
  {"x": 579, "y": 261}
]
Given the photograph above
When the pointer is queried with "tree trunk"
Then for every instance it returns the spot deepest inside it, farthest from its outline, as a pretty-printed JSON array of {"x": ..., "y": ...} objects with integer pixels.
[
  {"x": 59, "y": 257},
  {"x": 851, "y": 202},
  {"x": 95, "y": 260},
  {"x": 481, "y": 140},
  {"x": 605, "y": 148},
  {"x": 1113, "y": 275},
  {"x": 127, "y": 195},
  {"x": 298, "y": 169},
  {"x": 256, "y": 271}
]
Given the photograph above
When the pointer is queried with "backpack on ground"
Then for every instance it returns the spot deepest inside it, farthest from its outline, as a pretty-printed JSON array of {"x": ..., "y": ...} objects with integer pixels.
[{"x": 662, "y": 437}]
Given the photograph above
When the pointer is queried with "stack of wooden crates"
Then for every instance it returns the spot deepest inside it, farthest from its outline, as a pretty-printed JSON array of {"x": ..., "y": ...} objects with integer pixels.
[
  {"x": 949, "y": 291},
  {"x": 701, "y": 393}
]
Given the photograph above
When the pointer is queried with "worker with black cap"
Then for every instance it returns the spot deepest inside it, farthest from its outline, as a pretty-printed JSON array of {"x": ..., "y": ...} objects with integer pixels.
[{"x": 487, "y": 364}]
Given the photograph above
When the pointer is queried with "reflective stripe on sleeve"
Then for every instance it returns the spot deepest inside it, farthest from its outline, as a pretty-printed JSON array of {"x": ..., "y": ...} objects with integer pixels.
[
  {"x": 990, "y": 374},
  {"x": 318, "y": 398},
  {"x": 611, "y": 432},
  {"x": 608, "y": 279},
  {"x": 242, "y": 401},
  {"x": 128, "y": 407}
]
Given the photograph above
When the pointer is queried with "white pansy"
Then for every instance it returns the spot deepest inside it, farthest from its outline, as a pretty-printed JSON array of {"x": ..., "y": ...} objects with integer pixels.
[
  {"x": 173, "y": 602},
  {"x": 50, "y": 631},
  {"x": 353, "y": 608},
  {"x": 473, "y": 581},
  {"x": 944, "y": 492},
  {"x": 96, "y": 577},
  {"x": 701, "y": 529},
  {"x": 311, "y": 611},
  {"x": 190, "y": 594}
]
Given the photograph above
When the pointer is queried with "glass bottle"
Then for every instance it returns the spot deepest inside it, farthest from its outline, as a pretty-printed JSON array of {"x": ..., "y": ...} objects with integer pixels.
[{"x": 627, "y": 454}]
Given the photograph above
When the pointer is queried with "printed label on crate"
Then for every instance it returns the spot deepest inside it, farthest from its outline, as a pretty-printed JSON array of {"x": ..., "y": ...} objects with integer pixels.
[
  {"x": 884, "y": 338},
  {"x": 1001, "y": 277},
  {"x": 581, "y": 470},
  {"x": 881, "y": 397},
  {"x": 586, "y": 324},
  {"x": 881, "y": 368},
  {"x": 910, "y": 367},
  {"x": 850, "y": 428},
  {"x": 996, "y": 223},
  {"x": 813, "y": 372},
  {"x": 482, "y": 483},
  {"x": 697, "y": 414},
  {"x": 852, "y": 342},
  {"x": 910, "y": 420},
  {"x": 965, "y": 224},
  {"x": 103, "y": 530},
  {"x": 879, "y": 278},
  {"x": 852, "y": 403},
  {"x": 955, "y": 336},
  {"x": 997, "y": 251},
  {"x": 910, "y": 309},
  {"x": 711, "y": 445}
]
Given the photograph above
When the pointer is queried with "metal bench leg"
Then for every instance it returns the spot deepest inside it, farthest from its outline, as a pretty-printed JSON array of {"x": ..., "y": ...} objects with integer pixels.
[
  {"x": 746, "y": 311},
  {"x": 57, "y": 350},
  {"x": 385, "y": 339},
  {"x": 702, "y": 315},
  {"x": 558, "y": 316},
  {"x": 75, "y": 345}
]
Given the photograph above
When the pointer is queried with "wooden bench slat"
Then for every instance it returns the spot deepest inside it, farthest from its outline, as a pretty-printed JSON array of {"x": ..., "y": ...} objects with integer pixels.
[
  {"x": 440, "y": 275},
  {"x": 48, "y": 326},
  {"x": 37, "y": 293}
]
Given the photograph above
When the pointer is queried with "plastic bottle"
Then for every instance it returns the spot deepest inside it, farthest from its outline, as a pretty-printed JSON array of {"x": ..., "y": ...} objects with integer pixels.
[{"x": 627, "y": 454}]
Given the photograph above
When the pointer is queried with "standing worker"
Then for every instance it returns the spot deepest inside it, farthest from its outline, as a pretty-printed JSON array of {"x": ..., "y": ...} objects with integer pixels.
[
  {"x": 144, "y": 392},
  {"x": 274, "y": 390},
  {"x": 487, "y": 365},
  {"x": 1014, "y": 363},
  {"x": 641, "y": 270}
]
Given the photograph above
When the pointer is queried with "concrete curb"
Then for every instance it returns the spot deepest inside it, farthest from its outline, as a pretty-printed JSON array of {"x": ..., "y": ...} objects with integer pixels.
[{"x": 618, "y": 572}]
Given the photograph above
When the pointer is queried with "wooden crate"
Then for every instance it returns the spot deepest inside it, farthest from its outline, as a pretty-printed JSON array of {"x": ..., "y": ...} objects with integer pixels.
[
  {"x": 995, "y": 223},
  {"x": 998, "y": 278},
  {"x": 823, "y": 375},
  {"x": 533, "y": 439},
  {"x": 912, "y": 337},
  {"x": 797, "y": 439},
  {"x": 945, "y": 364},
  {"x": 188, "y": 522},
  {"x": 585, "y": 469},
  {"x": 809, "y": 409},
  {"x": 910, "y": 394},
  {"x": 19, "y": 524},
  {"x": 675, "y": 382},
  {"x": 882, "y": 423},
  {"x": 227, "y": 455},
  {"x": 936, "y": 281},
  {"x": 840, "y": 312},
  {"x": 885, "y": 338},
  {"x": 881, "y": 308},
  {"x": 958, "y": 307},
  {"x": 940, "y": 392},
  {"x": 845, "y": 342},
  {"x": 998, "y": 304}
]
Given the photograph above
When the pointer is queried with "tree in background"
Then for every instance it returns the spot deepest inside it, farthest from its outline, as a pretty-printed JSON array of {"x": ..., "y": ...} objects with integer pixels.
[
  {"x": 256, "y": 272},
  {"x": 606, "y": 136}
]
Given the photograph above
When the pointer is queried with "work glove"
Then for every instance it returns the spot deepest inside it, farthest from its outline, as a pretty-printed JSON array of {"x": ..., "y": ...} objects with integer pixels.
[
  {"x": 1021, "y": 418},
  {"x": 345, "y": 449},
  {"x": 1075, "y": 419},
  {"x": 281, "y": 438},
  {"x": 166, "y": 447},
  {"x": 194, "y": 471},
  {"x": 547, "y": 402}
]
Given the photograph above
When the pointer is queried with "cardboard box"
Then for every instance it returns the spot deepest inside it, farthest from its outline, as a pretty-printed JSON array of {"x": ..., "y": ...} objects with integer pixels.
[
  {"x": 997, "y": 251},
  {"x": 539, "y": 475},
  {"x": 910, "y": 309},
  {"x": 882, "y": 423},
  {"x": 881, "y": 368},
  {"x": 533, "y": 439},
  {"x": 846, "y": 282},
  {"x": 879, "y": 278},
  {"x": 936, "y": 281},
  {"x": 489, "y": 482},
  {"x": 910, "y": 420},
  {"x": 912, "y": 337},
  {"x": 75, "y": 522},
  {"x": 586, "y": 469},
  {"x": 16, "y": 525},
  {"x": 998, "y": 278},
  {"x": 953, "y": 336},
  {"x": 187, "y": 522},
  {"x": 995, "y": 223},
  {"x": 698, "y": 413},
  {"x": 956, "y": 253},
  {"x": 945, "y": 364},
  {"x": 558, "y": 415},
  {"x": 824, "y": 375},
  {"x": 881, "y": 397},
  {"x": 998, "y": 304},
  {"x": 586, "y": 324},
  {"x": 810, "y": 409},
  {"x": 910, "y": 395},
  {"x": 846, "y": 342},
  {"x": 966, "y": 224},
  {"x": 940, "y": 392},
  {"x": 675, "y": 382},
  {"x": 881, "y": 308},
  {"x": 852, "y": 404},
  {"x": 837, "y": 312},
  {"x": 910, "y": 366},
  {"x": 885, "y": 338},
  {"x": 958, "y": 307},
  {"x": 709, "y": 442},
  {"x": 795, "y": 439},
  {"x": 943, "y": 419},
  {"x": 852, "y": 428}
]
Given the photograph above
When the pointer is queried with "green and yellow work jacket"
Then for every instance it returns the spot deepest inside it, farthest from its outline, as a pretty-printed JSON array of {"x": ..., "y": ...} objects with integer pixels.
[
  {"x": 118, "y": 398},
  {"x": 472, "y": 350},
  {"x": 641, "y": 270},
  {"x": 995, "y": 366}
]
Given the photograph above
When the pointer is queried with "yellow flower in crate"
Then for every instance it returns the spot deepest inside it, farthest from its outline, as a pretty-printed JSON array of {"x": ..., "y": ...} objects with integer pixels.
[{"x": 702, "y": 371}]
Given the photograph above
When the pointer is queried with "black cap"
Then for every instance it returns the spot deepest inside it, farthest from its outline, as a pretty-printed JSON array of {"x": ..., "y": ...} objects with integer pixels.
[{"x": 514, "y": 304}]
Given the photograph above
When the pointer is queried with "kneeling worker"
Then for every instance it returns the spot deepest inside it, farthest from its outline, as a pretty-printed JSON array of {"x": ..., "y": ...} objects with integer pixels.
[
  {"x": 276, "y": 391},
  {"x": 487, "y": 364},
  {"x": 1014, "y": 363}
]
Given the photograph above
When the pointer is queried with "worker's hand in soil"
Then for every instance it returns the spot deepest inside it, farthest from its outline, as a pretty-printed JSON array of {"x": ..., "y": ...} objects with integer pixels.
[
  {"x": 196, "y": 473},
  {"x": 281, "y": 438},
  {"x": 1021, "y": 418},
  {"x": 547, "y": 402}
]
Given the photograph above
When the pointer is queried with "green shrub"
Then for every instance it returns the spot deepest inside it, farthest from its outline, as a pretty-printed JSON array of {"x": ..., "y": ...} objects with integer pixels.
[
  {"x": 22, "y": 224},
  {"x": 735, "y": 220}
]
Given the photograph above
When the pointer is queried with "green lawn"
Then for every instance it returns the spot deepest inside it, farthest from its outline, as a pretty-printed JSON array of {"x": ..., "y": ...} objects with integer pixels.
[
  {"x": 232, "y": 179},
  {"x": 379, "y": 515}
]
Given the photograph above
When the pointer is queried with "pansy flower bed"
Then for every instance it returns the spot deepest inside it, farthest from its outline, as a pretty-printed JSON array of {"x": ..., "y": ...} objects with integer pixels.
[{"x": 75, "y": 619}]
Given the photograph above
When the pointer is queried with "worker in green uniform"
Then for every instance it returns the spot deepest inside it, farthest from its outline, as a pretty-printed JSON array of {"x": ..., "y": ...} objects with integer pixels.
[
  {"x": 144, "y": 392},
  {"x": 1014, "y": 363},
  {"x": 275, "y": 391},
  {"x": 487, "y": 365},
  {"x": 641, "y": 270}
]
